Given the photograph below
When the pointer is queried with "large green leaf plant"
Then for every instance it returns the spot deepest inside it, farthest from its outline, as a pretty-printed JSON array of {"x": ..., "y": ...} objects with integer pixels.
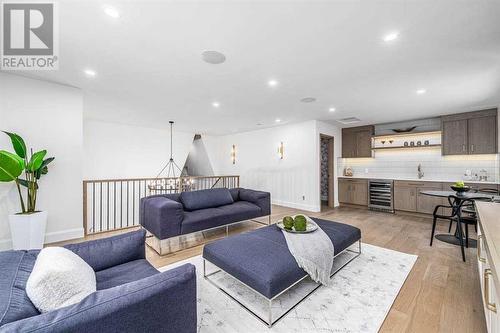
[{"x": 12, "y": 167}]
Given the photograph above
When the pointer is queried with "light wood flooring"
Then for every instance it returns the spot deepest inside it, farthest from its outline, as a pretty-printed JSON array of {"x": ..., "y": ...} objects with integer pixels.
[{"x": 441, "y": 294}]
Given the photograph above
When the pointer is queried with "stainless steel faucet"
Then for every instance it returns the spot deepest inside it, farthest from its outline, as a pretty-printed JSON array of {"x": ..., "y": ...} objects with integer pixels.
[{"x": 420, "y": 172}]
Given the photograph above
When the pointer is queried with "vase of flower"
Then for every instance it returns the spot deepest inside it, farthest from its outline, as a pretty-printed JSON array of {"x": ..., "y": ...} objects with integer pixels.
[{"x": 27, "y": 228}]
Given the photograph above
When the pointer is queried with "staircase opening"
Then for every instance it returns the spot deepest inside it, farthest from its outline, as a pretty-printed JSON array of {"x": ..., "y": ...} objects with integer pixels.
[{"x": 197, "y": 162}]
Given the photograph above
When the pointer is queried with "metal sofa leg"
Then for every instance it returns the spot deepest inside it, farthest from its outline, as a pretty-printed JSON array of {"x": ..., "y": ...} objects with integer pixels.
[{"x": 270, "y": 323}]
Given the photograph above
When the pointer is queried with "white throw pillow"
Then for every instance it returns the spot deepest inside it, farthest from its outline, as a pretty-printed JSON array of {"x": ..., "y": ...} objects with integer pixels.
[{"x": 59, "y": 278}]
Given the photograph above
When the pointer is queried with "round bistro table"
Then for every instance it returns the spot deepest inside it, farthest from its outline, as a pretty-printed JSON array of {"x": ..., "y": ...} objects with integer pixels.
[{"x": 457, "y": 201}]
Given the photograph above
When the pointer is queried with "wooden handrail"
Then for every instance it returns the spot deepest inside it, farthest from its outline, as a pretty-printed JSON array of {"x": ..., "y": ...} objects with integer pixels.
[
  {"x": 113, "y": 204},
  {"x": 89, "y": 181}
]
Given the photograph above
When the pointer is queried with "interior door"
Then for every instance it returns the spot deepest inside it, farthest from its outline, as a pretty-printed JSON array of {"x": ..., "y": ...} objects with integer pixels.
[{"x": 455, "y": 137}]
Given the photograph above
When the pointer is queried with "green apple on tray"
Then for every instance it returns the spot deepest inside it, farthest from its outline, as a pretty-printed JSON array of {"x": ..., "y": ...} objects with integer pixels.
[{"x": 299, "y": 223}]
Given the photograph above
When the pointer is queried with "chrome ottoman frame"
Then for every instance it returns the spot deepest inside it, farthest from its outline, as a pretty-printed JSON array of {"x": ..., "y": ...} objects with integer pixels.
[{"x": 269, "y": 321}]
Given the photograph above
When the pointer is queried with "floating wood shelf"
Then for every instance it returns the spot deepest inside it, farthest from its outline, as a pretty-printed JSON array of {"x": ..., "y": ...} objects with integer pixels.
[
  {"x": 406, "y": 147},
  {"x": 399, "y": 135}
]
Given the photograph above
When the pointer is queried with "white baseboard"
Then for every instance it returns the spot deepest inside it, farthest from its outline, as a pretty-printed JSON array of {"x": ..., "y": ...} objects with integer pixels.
[
  {"x": 59, "y": 236},
  {"x": 5, "y": 244},
  {"x": 309, "y": 208},
  {"x": 51, "y": 237}
]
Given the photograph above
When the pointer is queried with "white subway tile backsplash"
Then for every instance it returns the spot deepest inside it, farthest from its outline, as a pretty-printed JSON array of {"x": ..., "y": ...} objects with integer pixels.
[{"x": 403, "y": 164}]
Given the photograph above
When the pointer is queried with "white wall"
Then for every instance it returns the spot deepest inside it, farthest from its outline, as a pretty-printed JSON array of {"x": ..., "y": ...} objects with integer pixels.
[
  {"x": 113, "y": 150},
  {"x": 48, "y": 116},
  {"x": 293, "y": 181}
]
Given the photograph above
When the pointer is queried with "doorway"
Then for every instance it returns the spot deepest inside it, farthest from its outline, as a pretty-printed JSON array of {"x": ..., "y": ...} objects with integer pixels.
[{"x": 326, "y": 172}]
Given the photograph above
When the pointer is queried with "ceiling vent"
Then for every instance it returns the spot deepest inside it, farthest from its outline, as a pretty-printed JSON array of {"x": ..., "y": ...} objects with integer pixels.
[{"x": 349, "y": 120}]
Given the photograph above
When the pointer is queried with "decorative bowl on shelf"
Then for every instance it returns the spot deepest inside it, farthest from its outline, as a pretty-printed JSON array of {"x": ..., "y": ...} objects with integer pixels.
[
  {"x": 460, "y": 189},
  {"x": 404, "y": 130}
]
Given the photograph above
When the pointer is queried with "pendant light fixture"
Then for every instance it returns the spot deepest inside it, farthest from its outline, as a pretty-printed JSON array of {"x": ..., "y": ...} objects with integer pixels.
[{"x": 170, "y": 182}]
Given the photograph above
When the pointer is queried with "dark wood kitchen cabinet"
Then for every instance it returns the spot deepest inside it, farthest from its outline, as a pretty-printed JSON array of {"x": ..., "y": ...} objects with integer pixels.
[
  {"x": 407, "y": 196},
  {"x": 353, "y": 191},
  {"x": 357, "y": 141},
  {"x": 470, "y": 133},
  {"x": 482, "y": 134},
  {"x": 454, "y": 137}
]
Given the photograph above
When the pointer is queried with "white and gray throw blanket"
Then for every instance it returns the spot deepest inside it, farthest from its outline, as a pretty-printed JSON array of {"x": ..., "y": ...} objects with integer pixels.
[{"x": 313, "y": 252}]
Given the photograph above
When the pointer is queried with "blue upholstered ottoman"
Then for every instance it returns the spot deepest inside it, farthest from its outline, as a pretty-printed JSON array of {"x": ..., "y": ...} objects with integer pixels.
[{"x": 261, "y": 259}]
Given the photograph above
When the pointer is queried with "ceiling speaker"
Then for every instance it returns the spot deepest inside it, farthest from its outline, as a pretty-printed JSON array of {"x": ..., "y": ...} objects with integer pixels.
[{"x": 213, "y": 57}]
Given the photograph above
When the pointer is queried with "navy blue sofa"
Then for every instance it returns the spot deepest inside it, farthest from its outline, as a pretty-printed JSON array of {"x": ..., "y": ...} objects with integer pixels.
[
  {"x": 131, "y": 296},
  {"x": 170, "y": 215}
]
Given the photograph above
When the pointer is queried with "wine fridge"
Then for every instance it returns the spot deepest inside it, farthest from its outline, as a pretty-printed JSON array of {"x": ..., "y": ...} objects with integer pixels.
[{"x": 380, "y": 195}]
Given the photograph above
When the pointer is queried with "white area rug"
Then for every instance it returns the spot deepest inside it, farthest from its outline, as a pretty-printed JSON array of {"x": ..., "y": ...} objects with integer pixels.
[{"x": 358, "y": 300}]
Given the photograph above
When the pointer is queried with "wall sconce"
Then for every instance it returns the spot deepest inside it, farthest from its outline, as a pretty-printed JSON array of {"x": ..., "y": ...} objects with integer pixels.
[
  {"x": 280, "y": 150},
  {"x": 233, "y": 154}
]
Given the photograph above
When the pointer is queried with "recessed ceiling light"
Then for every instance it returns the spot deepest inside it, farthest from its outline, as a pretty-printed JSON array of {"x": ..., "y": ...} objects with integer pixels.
[
  {"x": 421, "y": 91},
  {"x": 278, "y": 120},
  {"x": 272, "y": 83},
  {"x": 215, "y": 104},
  {"x": 331, "y": 109},
  {"x": 111, "y": 11},
  {"x": 308, "y": 100},
  {"x": 90, "y": 72},
  {"x": 391, "y": 36},
  {"x": 213, "y": 57}
]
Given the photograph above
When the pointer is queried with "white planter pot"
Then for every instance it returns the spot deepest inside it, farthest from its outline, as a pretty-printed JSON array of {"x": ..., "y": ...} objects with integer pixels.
[{"x": 28, "y": 230}]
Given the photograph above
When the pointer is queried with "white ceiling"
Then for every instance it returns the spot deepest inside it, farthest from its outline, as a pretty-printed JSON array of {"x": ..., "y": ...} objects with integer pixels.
[{"x": 149, "y": 67}]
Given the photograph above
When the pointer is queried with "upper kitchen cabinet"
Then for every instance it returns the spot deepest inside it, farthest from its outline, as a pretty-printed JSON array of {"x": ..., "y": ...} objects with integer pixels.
[
  {"x": 357, "y": 141},
  {"x": 470, "y": 133}
]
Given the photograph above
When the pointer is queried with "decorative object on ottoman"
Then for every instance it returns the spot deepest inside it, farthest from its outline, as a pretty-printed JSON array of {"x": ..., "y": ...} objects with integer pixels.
[
  {"x": 246, "y": 258},
  {"x": 310, "y": 225},
  {"x": 300, "y": 223},
  {"x": 288, "y": 222},
  {"x": 313, "y": 251},
  {"x": 27, "y": 227},
  {"x": 58, "y": 279}
]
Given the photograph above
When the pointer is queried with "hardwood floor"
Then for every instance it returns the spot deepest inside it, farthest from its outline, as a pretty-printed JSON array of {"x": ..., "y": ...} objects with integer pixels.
[{"x": 441, "y": 294}]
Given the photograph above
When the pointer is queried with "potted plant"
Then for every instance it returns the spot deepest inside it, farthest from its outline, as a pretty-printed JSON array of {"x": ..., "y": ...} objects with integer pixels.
[{"x": 27, "y": 227}]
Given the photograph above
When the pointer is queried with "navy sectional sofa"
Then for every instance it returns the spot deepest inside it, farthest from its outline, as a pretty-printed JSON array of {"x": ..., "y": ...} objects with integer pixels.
[
  {"x": 131, "y": 296},
  {"x": 170, "y": 215}
]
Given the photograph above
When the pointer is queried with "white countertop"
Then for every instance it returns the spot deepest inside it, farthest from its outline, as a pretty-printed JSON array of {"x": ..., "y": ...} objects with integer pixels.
[
  {"x": 489, "y": 221},
  {"x": 419, "y": 180}
]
